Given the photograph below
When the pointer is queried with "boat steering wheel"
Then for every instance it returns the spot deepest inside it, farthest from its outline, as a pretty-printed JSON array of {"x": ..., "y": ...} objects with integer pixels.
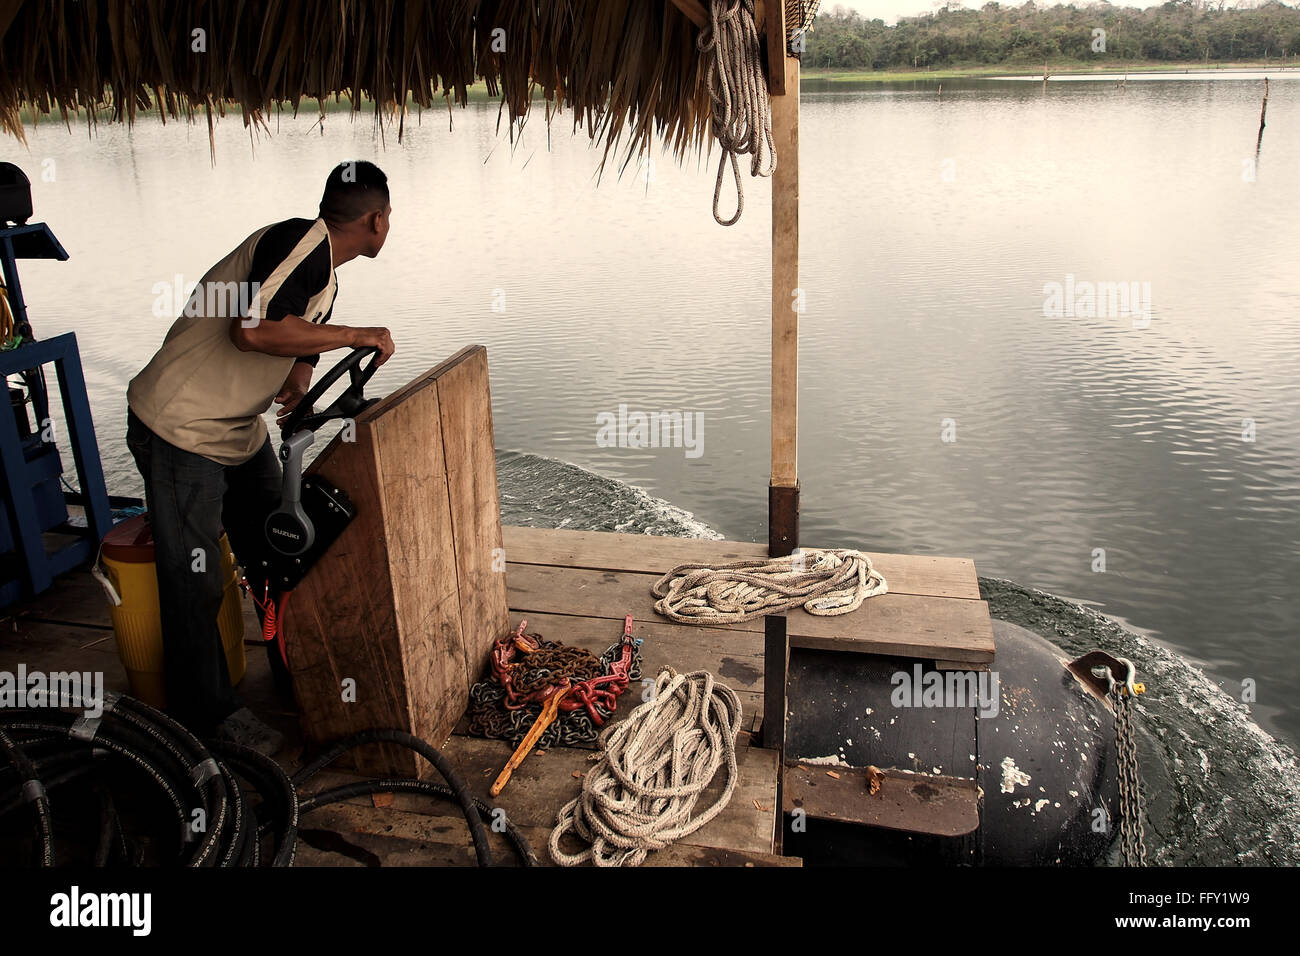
[{"x": 348, "y": 405}]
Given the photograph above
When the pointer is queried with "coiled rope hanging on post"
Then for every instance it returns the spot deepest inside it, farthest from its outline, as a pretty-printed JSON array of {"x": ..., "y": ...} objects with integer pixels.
[
  {"x": 742, "y": 118},
  {"x": 653, "y": 768},
  {"x": 825, "y": 582}
]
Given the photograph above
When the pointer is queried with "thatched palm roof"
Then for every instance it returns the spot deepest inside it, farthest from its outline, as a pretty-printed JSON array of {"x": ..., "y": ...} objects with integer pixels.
[{"x": 626, "y": 68}]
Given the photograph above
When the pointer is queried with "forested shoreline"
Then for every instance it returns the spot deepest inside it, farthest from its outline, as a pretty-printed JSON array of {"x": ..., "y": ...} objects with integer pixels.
[{"x": 1180, "y": 31}]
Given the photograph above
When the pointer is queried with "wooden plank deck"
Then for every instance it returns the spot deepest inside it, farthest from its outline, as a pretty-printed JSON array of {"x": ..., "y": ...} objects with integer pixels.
[
  {"x": 574, "y": 587},
  {"x": 932, "y": 610}
]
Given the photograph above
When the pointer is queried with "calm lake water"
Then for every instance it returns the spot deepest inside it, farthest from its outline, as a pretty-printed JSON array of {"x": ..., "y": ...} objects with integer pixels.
[{"x": 1166, "y": 443}]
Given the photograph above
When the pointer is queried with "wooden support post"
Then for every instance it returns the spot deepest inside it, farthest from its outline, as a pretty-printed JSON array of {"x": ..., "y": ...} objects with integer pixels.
[
  {"x": 785, "y": 283},
  {"x": 396, "y": 620},
  {"x": 783, "y": 490}
]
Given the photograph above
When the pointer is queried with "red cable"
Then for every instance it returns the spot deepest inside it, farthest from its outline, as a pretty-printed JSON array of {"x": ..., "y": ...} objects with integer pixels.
[{"x": 272, "y": 618}]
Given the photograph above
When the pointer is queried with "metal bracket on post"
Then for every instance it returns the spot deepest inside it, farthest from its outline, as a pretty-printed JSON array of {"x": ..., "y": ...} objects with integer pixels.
[{"x": 782, "y": 539}]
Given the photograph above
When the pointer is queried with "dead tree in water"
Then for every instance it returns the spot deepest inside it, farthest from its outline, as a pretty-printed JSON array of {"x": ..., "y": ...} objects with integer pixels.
[{"x": 1259, "y": 140}]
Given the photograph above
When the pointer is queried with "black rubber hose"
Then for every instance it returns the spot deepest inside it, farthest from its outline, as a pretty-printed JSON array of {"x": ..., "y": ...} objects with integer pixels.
[
  {"x": 34, "y": 793},
  {"x": 273, "y": 785},
  {"x": 52, "y": 771},
  {"x": 184, "y": 747},
  {"x": 191, "y": 777},
  {"x": 171, "y": 779},
  {"x": 479, "y": 835},
  {"x": 389, "y": 785},
  {"x": 111, "y": 838},
  {"x": 13, "y": 723},
  {"x": 239, "y": 825},
  {"x": 169, "y": 763}
]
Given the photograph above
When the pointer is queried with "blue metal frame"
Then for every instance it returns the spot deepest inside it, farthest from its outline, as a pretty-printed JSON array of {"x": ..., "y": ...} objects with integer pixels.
[{"x": 22, "y": 476}]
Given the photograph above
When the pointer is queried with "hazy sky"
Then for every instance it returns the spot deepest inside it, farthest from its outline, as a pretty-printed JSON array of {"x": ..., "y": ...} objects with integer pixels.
[{"x": 891, "y": 10}]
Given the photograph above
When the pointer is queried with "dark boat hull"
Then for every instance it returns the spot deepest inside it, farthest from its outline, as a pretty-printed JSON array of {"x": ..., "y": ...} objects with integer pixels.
[{"x": 1039, "y": 745}]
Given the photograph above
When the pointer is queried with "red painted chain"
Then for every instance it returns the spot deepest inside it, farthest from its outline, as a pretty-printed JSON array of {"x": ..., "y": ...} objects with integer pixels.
[{"x": 603, "y": 690}]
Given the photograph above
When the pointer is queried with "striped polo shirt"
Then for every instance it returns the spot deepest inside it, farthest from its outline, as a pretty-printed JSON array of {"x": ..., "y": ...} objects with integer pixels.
[{"x": 201, "y": 393}]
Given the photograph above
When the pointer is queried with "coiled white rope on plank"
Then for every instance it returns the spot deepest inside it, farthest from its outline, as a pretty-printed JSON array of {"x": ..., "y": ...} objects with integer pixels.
[
  {"x": 653, "y": 768},
  {"x": 742, "y": 117},
  {"x": 825, "y": 581}
]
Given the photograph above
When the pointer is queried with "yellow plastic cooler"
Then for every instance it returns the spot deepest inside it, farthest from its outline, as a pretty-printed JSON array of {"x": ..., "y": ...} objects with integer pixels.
[{"x": 128, "y": 561}]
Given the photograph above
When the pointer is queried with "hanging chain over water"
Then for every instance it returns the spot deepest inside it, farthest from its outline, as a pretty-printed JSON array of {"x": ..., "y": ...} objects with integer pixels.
[
  {"x": 742, "y": 118},
  {"x": 1133, "y": 848}
]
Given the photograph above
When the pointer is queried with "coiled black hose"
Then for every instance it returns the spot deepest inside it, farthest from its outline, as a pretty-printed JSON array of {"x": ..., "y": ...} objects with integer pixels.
[
  {"x": 364, "y": 788},
  {"x": 217, "y": 824},
  {"x": 278, "y": 814},
  {"x": 32, "y": 791},
  {"x": 477, "y": 833}
]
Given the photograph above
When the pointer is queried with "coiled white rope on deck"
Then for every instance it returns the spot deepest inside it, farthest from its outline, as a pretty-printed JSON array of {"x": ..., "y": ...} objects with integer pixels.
[
  {"x": 825, "y": 582},
  {"x": 653, "y": 768}
]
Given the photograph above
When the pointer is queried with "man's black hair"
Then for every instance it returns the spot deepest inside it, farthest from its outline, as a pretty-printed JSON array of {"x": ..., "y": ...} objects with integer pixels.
[{"x": 352, "y": 190}]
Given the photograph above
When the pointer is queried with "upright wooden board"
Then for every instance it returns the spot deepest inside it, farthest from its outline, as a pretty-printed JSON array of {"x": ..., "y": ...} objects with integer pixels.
[
  {"x": 465, "y": 409},
  {"x": 377, "y": 630}
]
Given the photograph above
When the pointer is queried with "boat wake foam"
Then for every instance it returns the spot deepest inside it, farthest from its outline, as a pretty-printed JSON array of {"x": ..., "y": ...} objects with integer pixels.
[
  {"x": 539, "y": 492},
  {"x": 1219, "y": 789}
]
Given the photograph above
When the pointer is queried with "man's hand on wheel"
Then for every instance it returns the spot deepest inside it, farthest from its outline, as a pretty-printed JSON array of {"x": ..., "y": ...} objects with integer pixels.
[
  {"x": 379, "y": 337},
  {"x": 295, "y": 387}
]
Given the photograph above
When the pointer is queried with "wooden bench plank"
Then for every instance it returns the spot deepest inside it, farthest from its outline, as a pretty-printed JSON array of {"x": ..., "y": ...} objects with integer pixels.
[
  {"x": 914, "y": 803},
  {"x": 893, "y": 624},
  {"x": 538, "y": 588},
  {"x": 901, "y": 625},
  {"x": 545, "y": 782},
  {"x": 612, "y": 551},
  {"x": 925, "y": 575}
]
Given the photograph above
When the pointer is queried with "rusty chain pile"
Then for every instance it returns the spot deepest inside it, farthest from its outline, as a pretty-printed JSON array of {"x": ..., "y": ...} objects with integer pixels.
[{"x": 526, "y": 669}]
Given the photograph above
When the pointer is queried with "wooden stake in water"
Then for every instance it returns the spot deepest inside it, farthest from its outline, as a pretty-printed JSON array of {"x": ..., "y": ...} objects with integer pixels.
[{"x": 1262, "y": 110}]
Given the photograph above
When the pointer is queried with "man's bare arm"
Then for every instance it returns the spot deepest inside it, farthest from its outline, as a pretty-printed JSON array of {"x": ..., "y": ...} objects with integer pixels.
[{"x": 293, "y": 336}]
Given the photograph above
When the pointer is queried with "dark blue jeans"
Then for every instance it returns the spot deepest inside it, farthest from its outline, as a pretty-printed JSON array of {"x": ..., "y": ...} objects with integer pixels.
[{"x": 190, "y": 499}]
